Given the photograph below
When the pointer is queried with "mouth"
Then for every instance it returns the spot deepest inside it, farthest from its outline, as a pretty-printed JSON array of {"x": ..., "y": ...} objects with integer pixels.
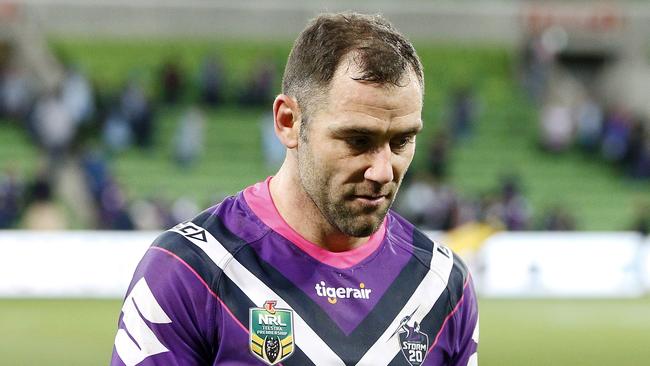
[{"x": 370, "y": 200}]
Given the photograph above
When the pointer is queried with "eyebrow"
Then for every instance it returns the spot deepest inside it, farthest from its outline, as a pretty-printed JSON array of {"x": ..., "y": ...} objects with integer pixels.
[{"x": 348, "y": 131}]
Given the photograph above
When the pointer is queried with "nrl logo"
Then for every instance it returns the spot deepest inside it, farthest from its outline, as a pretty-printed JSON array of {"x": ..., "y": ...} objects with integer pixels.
[
  {"x": 271, "y": 333},
  {"x": 414, "y": 344}
]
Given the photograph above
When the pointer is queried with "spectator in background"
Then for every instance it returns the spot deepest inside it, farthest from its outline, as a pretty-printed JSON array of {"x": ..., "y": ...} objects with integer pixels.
[
  {"x": 439, "y": 156},
  {"x": 641, "y": 222},
  {"x": 589, "y": 125},
  {"x": 189, "y": 140},
  {"x": 42, "y": 213},
  {"x": 11, "y": 199},
  {"x": 117, "y": 133},
  {"x": 273, "y": 149},
  {"x": 536, "y": 63},
  {"x": 468, "y": 211},
  {"x": 616, "y": 136},
  {"x": 16, "y": 95},
  {"x": 259, "y": 89},
  {"x": 109, "y": 199},
  {"x": 429, "y": 203},
  {"x": 172, "y": 81},
  {"x": 508, "y": 208},
  {"x": 640, "y": 168},
  {"x": 137, "y": 109},
  {"x": 145, "y": 215},
  {"x": 113, "y": 208},
  {"x": 516, "y": 213},
  {"x": 95, "y": 170},
  {"x": 183, "y": 209},
  {"x": 463, "y": 113},
  {"x": 556, "y": 127},
  {"x": 490, "y": 210},
  {"x": 152, "y": 214},
  {"x": 211, "y": 81},
  {"x": 164, "y": 210},
  {"x": 557, "y": 218},
  {"x": 637, "y": 157},
  {"x": 77, "y": 96},
  {"x": 54, "y": 127}
]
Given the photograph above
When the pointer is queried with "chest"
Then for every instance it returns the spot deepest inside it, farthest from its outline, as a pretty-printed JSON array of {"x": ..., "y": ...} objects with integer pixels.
[{"x": 323, "y": 316}]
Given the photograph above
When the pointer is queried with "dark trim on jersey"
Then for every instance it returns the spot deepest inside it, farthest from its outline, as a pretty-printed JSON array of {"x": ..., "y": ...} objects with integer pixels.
[
  {"x": 433, "y": 320},
  {"x": 298, "y": 358},
  {"x": 461, "y": 268},
  {"x": 422, "y": 241},
  {"x": 213, "y": 223},
  {"x": 190, "y": 254},
  {"x": 404, "y": 285},
  {"x": 444, "y": 306}
]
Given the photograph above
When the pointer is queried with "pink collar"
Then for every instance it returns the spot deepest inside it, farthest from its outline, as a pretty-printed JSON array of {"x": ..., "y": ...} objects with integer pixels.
[{"x": 258, "y": 198}]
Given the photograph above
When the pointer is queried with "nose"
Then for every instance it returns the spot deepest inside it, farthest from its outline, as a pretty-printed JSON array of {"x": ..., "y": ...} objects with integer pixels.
[{"x": 381, "y": 167}]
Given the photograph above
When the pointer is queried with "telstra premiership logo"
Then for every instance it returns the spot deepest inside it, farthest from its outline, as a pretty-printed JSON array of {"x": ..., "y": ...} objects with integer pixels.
[{"x": 335, "y": 293}]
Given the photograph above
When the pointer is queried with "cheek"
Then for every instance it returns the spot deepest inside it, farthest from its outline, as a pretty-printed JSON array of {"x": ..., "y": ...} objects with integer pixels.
[{"x": 401, "y": 164}]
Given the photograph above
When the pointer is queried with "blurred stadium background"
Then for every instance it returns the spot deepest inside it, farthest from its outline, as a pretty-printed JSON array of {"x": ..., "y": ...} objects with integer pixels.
[{"x": 534, "y": 163}]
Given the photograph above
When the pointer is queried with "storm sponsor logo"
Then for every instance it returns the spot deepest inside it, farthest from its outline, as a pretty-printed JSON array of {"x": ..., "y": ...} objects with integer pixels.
[{"x": 335, "y": 293}]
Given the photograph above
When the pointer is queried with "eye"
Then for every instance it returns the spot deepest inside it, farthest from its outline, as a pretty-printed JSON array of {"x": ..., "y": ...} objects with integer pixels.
[
  {"x": 358, "y": 142},
  {"x": 401, "y": 142}
]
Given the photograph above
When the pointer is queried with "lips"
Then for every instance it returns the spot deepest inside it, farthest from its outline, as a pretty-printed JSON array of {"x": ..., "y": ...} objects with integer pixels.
[
  {"x": 369, "y": 197},
  {"x": 370, "y": 200},
  {"x": 372, "y": 196}
]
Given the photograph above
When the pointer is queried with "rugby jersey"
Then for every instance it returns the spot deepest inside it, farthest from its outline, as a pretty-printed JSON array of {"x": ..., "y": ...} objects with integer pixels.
[{"x": 237, "y": 285}]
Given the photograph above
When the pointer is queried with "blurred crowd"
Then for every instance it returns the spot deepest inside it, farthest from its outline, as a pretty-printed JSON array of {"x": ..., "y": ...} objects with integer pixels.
[
  {"x": 429, "y": 201},
  {"x": 81, "y": 127},
  {"x": 571, "y": 116},
  {"x": 612, "y": 135}
]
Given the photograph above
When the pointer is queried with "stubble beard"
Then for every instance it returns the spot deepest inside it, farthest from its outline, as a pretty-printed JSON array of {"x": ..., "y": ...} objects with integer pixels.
[{"x": 354, "y": 223}]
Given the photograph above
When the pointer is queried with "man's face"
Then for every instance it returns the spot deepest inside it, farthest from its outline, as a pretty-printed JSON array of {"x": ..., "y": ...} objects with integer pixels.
[{"x": 357, "y": 148}]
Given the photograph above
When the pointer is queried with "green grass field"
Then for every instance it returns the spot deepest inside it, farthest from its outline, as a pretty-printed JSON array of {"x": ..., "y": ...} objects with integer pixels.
[{"x": 513, "y": 332}]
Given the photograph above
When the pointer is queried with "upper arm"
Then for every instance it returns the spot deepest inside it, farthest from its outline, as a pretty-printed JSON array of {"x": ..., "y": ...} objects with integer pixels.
[
  {"x": 168, "y": 315},
  {"x": 467, "y": 325}
]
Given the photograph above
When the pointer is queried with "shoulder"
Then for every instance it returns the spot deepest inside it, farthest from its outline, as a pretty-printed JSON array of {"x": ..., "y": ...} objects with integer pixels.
[
  {"x": 232, "y": 220},
  {"x": 208, "y": 242},
  {"x": 437, "y": 257},
  {"x": 230, "y": 224}
]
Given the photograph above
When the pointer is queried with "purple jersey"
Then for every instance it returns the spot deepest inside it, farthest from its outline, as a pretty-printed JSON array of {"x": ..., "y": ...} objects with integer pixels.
[{"x": 238, "y": 286}]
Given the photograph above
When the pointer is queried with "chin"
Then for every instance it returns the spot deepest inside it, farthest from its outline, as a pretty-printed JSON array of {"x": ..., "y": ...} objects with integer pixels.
[
  {"x": 361, "y": 229},
  {"x": 360, "y": 232}
]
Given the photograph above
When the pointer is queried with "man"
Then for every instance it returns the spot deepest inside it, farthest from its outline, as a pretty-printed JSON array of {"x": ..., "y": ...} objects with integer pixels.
[{"x": 310, "y": 267}]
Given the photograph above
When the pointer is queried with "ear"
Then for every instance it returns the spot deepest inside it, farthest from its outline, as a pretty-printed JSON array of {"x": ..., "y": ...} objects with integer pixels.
[{"x": 286, "y": 118}]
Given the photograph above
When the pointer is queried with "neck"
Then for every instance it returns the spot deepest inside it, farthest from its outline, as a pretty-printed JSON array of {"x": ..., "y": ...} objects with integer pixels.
[{"x": 302, "y": 214}]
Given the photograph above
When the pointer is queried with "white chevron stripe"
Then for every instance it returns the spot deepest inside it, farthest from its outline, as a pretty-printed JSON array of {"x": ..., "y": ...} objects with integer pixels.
[
  {"x": 420, "y": 303},
  {"x": 304, "y": 337}
]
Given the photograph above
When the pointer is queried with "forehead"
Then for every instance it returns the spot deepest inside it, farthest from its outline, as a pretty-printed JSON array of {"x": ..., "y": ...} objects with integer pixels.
[{"x": 352, "y": 102}]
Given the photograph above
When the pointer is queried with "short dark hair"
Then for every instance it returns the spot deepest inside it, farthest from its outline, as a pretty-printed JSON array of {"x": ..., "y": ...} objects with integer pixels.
[{"x": 382, "y": 54}]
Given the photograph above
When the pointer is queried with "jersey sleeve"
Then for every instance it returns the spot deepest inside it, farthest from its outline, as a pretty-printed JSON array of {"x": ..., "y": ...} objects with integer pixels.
[
  {"x": 168, "y": 315},
  {"x": 466, "y": 321}
]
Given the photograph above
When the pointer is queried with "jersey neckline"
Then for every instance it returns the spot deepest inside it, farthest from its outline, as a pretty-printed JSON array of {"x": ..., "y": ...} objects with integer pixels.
[{"x": 258, "y": 197}]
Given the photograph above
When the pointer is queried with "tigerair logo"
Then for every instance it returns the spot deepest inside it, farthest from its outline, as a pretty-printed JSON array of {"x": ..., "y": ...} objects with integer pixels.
[{"x": 335, "y": 293}]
